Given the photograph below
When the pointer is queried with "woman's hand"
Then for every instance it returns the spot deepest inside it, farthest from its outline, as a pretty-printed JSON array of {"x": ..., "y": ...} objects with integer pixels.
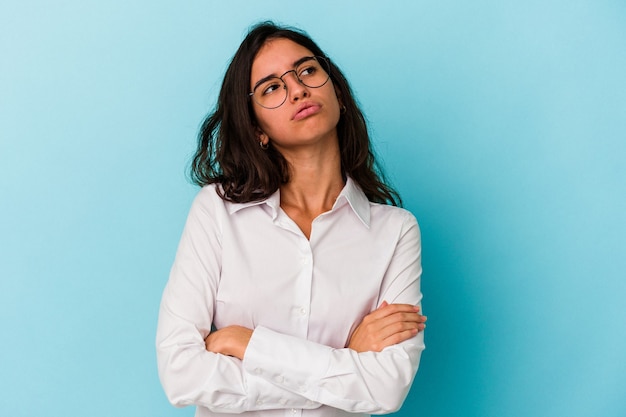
[
  {"x": 230, "y": 340},
  {"x": 388, "y": 325}
]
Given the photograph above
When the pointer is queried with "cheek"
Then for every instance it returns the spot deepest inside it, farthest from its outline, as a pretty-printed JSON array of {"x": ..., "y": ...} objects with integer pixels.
[
  {"x": 260, "y": 116},
  {"x": 334, "y": 101},
  {"x": 268, "y": 120},
  {"x": 335, "y": 107}
]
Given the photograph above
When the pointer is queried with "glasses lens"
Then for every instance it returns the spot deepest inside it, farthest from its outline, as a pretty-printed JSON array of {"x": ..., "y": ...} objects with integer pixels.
[
  {"x": 272, "y": 93},
  {"x": 313, "y": 72}
]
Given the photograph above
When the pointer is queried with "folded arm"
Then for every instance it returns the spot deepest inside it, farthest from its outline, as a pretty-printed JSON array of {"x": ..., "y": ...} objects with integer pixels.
[
  {"x": 279, "y": 370},
  {"x": 373, "y": 374}
]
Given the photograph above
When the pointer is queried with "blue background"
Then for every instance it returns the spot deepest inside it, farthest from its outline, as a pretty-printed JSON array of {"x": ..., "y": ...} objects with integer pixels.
[{"x": 502, "y": 123}]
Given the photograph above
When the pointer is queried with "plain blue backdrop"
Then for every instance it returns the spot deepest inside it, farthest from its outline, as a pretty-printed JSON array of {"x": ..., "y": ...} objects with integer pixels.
[{"x": 502, "y": 123}]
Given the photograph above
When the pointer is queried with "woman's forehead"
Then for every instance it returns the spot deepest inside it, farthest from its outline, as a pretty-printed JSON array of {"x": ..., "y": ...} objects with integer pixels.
[{"x": 276, "y": 54}]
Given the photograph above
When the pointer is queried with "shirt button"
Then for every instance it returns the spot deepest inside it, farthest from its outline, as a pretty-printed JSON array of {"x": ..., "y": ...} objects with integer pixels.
[
  {"x": 259, "y": 402},
  {"x": 302, "y": 311},
  {"x": 309, "y": 403},
  {"x": 282, "y": 401},
  {"x": 305, "y": 261},
  {"x": 279, "y": 378},
  {"x": 293, "y": 411}
]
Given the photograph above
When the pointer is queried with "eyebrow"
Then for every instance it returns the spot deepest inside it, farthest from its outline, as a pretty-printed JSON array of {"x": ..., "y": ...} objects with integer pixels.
[{"x": 273, "y": 75}]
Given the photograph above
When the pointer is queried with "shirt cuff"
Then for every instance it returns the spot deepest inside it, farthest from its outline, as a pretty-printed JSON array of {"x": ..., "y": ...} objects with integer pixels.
[{"x": 289, "y": 362}]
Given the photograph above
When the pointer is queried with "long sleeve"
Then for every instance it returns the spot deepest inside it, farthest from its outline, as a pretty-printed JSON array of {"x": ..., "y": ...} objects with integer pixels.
[
  {"x": 190, "y": 374},
  {"x": 365, "y": 382},
  {"x": 250, "y": 265}
]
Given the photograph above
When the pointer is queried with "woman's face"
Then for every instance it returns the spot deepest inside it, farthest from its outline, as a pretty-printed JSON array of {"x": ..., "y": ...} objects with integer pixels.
[{"x": 309, "y": 116}]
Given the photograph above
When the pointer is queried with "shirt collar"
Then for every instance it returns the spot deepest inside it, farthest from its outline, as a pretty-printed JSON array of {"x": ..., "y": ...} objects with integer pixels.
[
  {"x": 272, "y": 202},
  {"x": 350, "y": 194},
  {"x": 354, "y": 196}
]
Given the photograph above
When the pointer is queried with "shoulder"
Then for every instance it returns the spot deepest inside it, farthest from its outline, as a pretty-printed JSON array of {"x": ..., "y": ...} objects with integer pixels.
[
  {"x": 387, "y": 213},
  {"x": 397, "y": 221},
  {"x": 208, "y": 204},
  {"x": 208, "y": 196},
  {"x": 209, "y": 192}
]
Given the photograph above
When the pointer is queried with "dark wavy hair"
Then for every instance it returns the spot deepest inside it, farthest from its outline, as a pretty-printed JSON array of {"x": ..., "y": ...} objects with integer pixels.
[{"x": 228, "y": 150}]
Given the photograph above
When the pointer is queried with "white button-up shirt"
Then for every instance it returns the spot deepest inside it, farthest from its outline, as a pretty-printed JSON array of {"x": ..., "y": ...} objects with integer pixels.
[{"x": 250, "y": 265}]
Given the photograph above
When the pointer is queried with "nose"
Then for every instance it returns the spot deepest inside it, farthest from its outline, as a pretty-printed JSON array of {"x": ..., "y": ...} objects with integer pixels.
[{"x": 295, "y": 89}]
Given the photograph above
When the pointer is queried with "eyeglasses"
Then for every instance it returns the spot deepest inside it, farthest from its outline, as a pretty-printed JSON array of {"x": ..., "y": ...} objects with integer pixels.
[{"x": 271, "y": 92}]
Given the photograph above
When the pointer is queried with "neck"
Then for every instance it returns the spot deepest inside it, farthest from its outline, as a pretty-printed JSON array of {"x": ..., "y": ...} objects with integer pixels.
[{"x": 315, "y": 182}]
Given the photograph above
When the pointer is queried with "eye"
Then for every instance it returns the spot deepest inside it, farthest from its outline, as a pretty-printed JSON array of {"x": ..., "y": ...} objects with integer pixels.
[
  {"x": 270, "y": 87},
  {"x": 308, "y": 70}
]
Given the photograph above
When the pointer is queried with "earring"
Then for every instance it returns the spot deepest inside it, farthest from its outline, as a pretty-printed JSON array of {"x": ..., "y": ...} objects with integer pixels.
[
  {"x": 264, "y": 146},
  {"x": 342, "y": 109}
]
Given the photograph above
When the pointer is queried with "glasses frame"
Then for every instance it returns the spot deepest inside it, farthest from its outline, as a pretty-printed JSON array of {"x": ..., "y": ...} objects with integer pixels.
[{"x": 323, "y": 61}]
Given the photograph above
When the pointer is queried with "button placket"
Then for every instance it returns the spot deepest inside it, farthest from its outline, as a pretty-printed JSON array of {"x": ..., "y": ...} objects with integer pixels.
[
  {"x": 293, "y": 412},
  {"x": 305, "y": 279}
]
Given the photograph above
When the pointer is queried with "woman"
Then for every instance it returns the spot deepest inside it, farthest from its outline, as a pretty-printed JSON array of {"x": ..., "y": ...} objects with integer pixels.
[{"x": 295, "y": 289}]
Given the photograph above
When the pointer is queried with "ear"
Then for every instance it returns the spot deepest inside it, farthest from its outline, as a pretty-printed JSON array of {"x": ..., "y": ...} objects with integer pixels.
[
  {"x": 338, "y": 95},
  {"x": 261, "y": 136},
  {"x": 342, "y": 107}
]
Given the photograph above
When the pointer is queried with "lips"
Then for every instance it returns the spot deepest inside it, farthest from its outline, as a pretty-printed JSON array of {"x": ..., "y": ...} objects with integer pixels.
[{"x": 305, "y": 110}]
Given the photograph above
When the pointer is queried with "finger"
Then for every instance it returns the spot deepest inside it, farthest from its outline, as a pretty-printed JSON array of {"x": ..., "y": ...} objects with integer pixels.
[
  {"x": 400, "y": 332},
  {"x": 404, "y": 317},
  {"x": 396, "y": 328},
  {"x": 397, "y": 322},
  {"x": 389, "y": 309},
  {"x": 388, "y": 324},
  {"x": 398, "y": 338}
]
